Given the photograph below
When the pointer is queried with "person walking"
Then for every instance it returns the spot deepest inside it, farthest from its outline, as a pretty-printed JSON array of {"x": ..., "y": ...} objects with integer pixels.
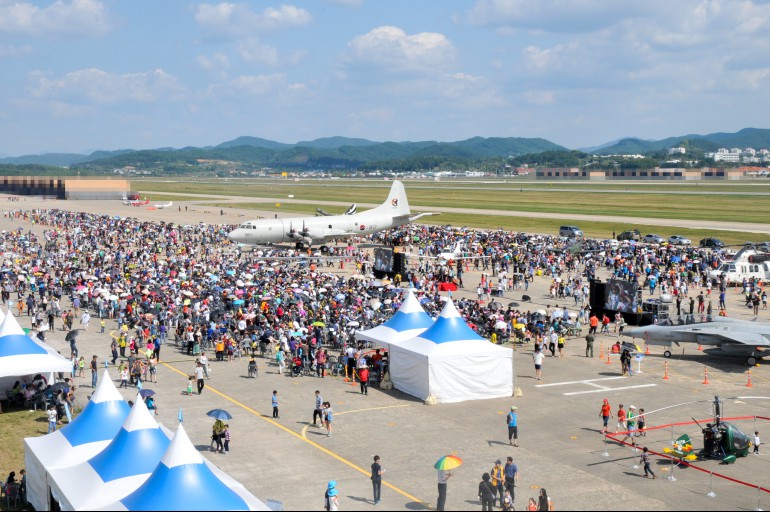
[
  {"x": 443, "y": 477},
  {"x": 544, "y": 503},
  {"x": 318, "y": 410},
  {"x": 377, "y": 473},
  {"x": 199, "y": 377},
  {"x": 331, "y": 501},
  {"x": 328, "y": 417},
  {"x": 757, "y": 442},
  {"x": 274, "y": 401},
  {"x": 226, "y": 435},
  {"x": 486, "y": 493},
  {"x": 497, "y": 481},
  {"x": 605, "y": 414},
  {"x": 590, "y": 345},
  {"x": 363, "y": 376},
  {"x": 53, "y": 417},
  {"x": 511, "y": 474},
  {"x": 538, "y": 357},
  {"x": 645, "y": 461},
  {"x": 513, "y": 428}
]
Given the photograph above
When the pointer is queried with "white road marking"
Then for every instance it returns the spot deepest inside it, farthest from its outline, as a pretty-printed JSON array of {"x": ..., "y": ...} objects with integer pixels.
[
  {"x": 607, "y": 390},
  {"x": 577, "y": 382}
]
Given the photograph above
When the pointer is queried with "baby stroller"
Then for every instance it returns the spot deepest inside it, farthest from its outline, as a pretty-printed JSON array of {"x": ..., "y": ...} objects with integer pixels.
[
  {"x": 297, "y": 367},
  {"x": 336, "y": 366}
]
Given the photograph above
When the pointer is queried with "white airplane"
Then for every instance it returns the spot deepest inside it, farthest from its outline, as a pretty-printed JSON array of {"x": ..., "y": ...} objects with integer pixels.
[
  {"x": 306, "y": 231},
  {"x": 164, "y": 205}
]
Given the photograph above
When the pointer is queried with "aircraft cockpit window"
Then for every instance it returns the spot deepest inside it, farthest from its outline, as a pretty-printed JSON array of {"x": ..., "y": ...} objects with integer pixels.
[{"x": 244, "y": 226}]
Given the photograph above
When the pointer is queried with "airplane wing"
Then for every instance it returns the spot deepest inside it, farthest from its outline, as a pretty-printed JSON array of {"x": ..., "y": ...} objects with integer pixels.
[
  {"x": 734, "y": 336},
  {"x": 413, "y": 218}
]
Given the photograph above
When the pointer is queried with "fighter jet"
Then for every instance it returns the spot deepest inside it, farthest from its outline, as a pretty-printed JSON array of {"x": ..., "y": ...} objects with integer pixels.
[
  {"x": 727, "y": 336},
  {"x": 307, "y": 231}
]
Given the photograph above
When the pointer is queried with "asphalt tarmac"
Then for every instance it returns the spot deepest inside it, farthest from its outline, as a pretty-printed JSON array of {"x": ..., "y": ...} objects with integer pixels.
[{"x": 561, "y": 448}]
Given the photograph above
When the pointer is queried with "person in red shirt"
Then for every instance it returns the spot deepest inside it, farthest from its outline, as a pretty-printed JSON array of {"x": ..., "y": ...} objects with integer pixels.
[
  {"x": 606, "y": 414},
  {"x": 621, "y": 420}
]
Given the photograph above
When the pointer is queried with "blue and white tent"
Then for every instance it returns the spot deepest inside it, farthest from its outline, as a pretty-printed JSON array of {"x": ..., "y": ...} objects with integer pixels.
[
  {"x": 118, "y": 470},
  {"x": 21, "y": 355},
  {"x": 409, "y": 321},
  {"x": 88, "y": 434},
  {"x": 452, "y": 363},
  {"x": 183, "y": 480}
]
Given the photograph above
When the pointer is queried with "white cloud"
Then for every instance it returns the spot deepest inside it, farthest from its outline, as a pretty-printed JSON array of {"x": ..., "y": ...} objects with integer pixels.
[
  {"x": 217, "y": 64},
  {"x": 392, "y": 48},
  {"x": 253, "y": 85},
  {"x": 231, "y": 20},
  {"x": 98, "y": 86},
  {"x": 76, "y": 17},
  {"x": 252, "y": 50}
]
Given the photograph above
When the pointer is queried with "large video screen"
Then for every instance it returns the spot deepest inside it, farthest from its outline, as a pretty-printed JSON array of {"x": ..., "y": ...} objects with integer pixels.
[
  {"x": 383, "y": 259},
  {"x": 621, "y": 296}
]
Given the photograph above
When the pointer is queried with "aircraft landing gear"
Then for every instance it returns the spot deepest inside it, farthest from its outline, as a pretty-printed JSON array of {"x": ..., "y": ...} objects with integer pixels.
[
  {"x": 667, "y": 353},
  {"x": 324, "y": 249},
  {"x": 751, "y": 361},
  {"x": 299, "y": 246}
]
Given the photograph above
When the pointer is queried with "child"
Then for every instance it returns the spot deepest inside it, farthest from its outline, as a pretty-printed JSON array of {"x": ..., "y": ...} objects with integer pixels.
[
  {"x": 274, "y": 401},
  {"x": 190, "y": 385},
  {"x": 81, "y": 366},
  {"x": 328, "y": 418},
  {"x": 640, "y": 421},
  {"x": 227, "y": 438},
  {"x": 757, "y": 442},
  {"x": 52, "y": 418},
  {"x": 123, "y": 376}
]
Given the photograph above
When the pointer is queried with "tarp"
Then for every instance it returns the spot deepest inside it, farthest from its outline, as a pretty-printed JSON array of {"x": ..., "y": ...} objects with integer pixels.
[
  {"x": 21, "y": 355},
  {"x": 88, "y": 434},
  {"x": 409, "y": 321},
  {"x": 183, "y": 480},
  {"x": 118, "y": 470},
  {"x": 452, "y": 363}
]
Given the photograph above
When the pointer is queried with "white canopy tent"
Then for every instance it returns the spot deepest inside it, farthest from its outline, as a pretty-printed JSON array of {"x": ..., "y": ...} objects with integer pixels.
[
  {"x": 409, "y": 321},
  {"x": 21, "y": 355},
  {"x": 452, "y": 363},
  {"x": 88, "y": 434},
  {"x": 118, "y": 470}
]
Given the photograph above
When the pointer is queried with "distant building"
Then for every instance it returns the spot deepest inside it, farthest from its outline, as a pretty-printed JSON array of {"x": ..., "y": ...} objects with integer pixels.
[
  {"x": 677, "y": 151},
  {"x": 64, "y": 188},
  {"x": 658, "y": 173}
]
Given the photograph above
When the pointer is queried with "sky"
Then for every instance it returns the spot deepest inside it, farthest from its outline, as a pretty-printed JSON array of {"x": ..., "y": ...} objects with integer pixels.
[{"x": 85, "y": 75}]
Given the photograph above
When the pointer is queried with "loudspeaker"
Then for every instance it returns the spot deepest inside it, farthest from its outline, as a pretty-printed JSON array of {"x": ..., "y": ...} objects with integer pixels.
[{"x": 399, "y": 263}]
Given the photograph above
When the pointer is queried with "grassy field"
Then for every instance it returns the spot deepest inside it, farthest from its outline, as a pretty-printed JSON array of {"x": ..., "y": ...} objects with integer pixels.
[
  {"x": 731, "y": 202},
  {"x": 14, "y": 427}
]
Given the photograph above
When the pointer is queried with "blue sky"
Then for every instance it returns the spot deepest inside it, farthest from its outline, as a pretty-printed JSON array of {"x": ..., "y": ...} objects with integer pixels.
[{"x": 81, "y": 75}]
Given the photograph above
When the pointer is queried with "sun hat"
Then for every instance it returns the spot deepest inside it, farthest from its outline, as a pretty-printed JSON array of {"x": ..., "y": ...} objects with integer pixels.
[
  {"x": 514, "y": 408},
  {"x": 332, "y": 484}
]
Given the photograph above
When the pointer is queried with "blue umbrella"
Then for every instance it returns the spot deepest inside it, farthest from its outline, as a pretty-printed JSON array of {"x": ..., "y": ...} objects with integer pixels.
[
  {"x": 219, "y": 414},
  {"x": 144, "y": 393},
  {"x": 238, "y": 302}
]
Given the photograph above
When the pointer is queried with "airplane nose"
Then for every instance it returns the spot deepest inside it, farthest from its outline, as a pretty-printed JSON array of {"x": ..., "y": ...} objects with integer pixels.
[
  {"x": 636, "y": 332},
  {"x": 232, "y": 235}
]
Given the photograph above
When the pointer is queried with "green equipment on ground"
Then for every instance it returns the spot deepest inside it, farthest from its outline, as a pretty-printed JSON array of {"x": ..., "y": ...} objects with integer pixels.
[{"x": 723, "y": 440}]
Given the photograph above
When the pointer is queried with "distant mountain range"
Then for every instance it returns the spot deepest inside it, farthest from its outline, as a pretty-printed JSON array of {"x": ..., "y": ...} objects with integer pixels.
[
  {"x": 756, "y": 138},
  {"x": 352, "y": 152}
]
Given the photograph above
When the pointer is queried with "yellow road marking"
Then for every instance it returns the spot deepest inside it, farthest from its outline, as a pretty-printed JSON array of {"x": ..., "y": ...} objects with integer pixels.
[{"x": 302, "y": 436}]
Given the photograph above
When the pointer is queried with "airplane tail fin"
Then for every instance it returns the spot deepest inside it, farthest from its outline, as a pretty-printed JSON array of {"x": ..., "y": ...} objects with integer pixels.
[{"x": 397, "y": 203}]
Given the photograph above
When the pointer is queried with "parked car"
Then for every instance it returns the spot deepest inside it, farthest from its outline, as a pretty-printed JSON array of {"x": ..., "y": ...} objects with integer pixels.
[
  {"x": 712, "y": 243},
  {"x": 571, "y": 231},
  {"x": 679, "y": 240},
  {"x": 632, "y": 235},
  {"x": 653, "y": 239}
]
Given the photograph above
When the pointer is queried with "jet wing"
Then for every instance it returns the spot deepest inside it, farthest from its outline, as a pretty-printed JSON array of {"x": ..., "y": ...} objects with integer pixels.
[{"x": 735, "y": 336}]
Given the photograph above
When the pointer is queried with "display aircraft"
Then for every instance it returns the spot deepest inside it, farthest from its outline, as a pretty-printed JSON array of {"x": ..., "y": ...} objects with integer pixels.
[
  {"x": 306, "y": 231},
  {"x": 729, "y": 337},
  {"x": 160, "y": 206},
  {"x": 350, "y": 211}
]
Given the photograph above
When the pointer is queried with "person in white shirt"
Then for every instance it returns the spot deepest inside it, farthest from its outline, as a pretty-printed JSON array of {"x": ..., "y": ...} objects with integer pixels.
[{"x": 538, "y": 357}]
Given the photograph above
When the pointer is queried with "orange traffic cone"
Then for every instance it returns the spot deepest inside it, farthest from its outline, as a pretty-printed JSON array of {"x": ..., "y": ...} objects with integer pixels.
[
  {"x": 748, "y": 384},
  {"x": 608, "y": 358},
  {"x": 646, "y": 349},
  {"x": 699, "y": 347},
  {"x": 601, "y": 350},
  {"x": 665, "y": 370},
  {"x": 705, "y": 375}
]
